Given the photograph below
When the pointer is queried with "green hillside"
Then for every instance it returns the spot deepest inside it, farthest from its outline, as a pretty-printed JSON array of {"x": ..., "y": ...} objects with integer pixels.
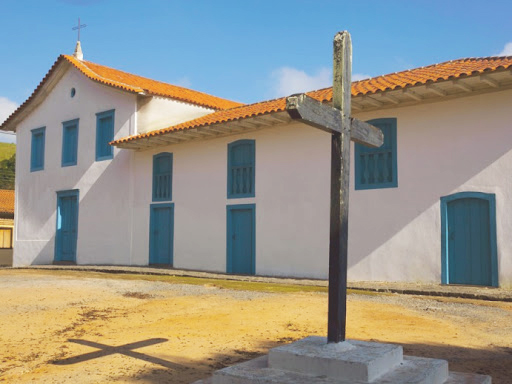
[
  {"x": 7, "y": 150},
  {"x": 7, "y": 162}
]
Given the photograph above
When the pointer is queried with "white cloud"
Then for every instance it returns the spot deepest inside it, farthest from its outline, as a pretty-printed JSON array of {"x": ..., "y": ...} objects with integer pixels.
[
  {"x": 6, "y": 108},
  {"x": 289, "y": 80},
  {"x": 183, "y": 82},
  {"x": 507, "y": 50},
  {"x": 7, "y": 137}
]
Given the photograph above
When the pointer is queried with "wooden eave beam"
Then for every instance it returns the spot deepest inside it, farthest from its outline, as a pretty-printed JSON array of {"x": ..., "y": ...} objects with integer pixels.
[
  {"x": 460, "y": 85},
  {"x": 279, "y": 118},
  {"x": 389, "y": 98},
  {"x": 489, "y": 81},
  {"x": 372, "y": 101},
  {"x": 412, "y": 94},
  {"x": 436, "y": 90}
]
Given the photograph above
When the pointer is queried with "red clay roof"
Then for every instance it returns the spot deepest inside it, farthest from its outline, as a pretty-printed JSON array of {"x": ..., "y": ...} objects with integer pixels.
[
  {"x": 6, "y": 201},
  {"x": 134, "y": 83},
  {"x": 399, "y": 80},
  {"x": 131, "y": 83}
]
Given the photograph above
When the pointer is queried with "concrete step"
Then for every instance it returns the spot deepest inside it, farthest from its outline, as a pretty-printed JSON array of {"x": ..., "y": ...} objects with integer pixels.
[
  {"x": 467, "y": 378},
  {"x": 353, "y": 359},
  {"x": 413, "y": 370}
]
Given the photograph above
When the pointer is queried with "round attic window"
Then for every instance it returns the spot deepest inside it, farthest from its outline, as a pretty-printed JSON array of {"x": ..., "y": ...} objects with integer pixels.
[{"x": 73, "y": 92}]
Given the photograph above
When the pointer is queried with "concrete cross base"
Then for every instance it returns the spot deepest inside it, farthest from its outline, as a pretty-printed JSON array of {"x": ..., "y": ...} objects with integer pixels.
[{"x": 312, "y": 360}]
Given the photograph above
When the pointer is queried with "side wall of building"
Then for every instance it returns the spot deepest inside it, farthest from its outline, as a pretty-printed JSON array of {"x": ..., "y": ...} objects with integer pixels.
[
  {"x": 157, "y": 112},
  {"x": 451, "y": 146},
  {"x": 6, "y": 253},
  {"x": 105, "y": 187},
  {"x": 442, "y": 148},
  {"x": 292, "y": 216}
]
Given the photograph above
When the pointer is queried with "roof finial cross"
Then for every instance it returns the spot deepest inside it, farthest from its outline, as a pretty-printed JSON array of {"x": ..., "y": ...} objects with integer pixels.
[{"x": 78, "y": 27}]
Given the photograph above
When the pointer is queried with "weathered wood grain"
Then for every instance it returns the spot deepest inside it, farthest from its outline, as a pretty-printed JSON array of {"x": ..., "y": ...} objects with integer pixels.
[{"x": 312, "y": 112}]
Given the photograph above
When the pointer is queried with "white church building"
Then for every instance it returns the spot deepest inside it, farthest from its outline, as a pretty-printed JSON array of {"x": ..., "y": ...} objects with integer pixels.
[{"x": 114, "y": 168}]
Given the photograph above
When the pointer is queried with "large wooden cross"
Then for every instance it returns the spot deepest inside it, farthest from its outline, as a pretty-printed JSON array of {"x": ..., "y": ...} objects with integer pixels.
[{"x": 337, "y": 121}]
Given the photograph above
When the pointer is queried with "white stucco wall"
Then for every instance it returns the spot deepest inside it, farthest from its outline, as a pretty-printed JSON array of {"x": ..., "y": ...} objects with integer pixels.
[
  {"x": 104, "y": 219},
  {"x": 292, "y": 172},
  {"x": 158, "y": 112},
  {"x": 394, "y": 234},
  {"x": 446, "y": 147}
]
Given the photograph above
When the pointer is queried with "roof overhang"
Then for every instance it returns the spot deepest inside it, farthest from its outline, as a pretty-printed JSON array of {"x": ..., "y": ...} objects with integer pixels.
[
  {"x": 434, "y": 91},
  {"x": 226, "y": 128},
  {"x": 430, "y": 92},
  {"x": 46, "y": 85}
]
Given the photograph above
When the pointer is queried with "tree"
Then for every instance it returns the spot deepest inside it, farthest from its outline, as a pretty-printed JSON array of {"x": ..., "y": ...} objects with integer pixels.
[{"x": 7, "y": 172}]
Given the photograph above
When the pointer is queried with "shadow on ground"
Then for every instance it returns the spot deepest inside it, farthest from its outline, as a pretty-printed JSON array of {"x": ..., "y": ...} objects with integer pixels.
[{"x": 495, "y": 361}]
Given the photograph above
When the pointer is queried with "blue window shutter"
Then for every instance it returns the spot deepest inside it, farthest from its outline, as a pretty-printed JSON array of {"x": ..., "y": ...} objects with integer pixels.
[
  {"x": 37, "y": 149},
  {"x": 69, "y": 143},
  {"x": 377, "y": 167},
  {"x": 241, "y": 169},
  {"x": 104, "y": 135},
  {"x": 162, "y": 177}
]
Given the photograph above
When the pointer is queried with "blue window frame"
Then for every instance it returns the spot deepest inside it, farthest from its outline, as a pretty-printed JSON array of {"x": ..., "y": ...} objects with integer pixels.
[
  {"x": 104, "y": 135},
  {"x": 377, "y": 167},
  {"x": 37, "y": 149},
  {"x": 162, "y": 177},
  {"x": 69, "y": 142},
  {"x": 241, "y": 169}
]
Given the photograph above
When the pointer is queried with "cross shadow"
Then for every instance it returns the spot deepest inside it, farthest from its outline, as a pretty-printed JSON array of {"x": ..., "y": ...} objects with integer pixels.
[{"x": 125, "y": 349}]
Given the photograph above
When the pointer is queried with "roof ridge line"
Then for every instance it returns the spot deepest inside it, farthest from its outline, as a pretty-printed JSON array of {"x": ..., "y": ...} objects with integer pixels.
[
  {"x": 102, "y": 77},
  {"x": 149, "y": 79}
]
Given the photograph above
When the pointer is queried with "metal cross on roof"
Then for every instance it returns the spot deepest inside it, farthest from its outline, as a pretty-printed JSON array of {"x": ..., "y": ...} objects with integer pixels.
[
  {"x": 78, "y": 27},
  {"x": 337, "y": 121}
]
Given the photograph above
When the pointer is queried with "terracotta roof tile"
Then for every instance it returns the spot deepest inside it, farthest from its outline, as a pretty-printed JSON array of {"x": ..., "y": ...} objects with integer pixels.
[
  {"x": 134, "y": 83},
  {"x": 433, "y": 73},
  {"x": 6, "y": 201},
  {"x": 127, "y": 82}
]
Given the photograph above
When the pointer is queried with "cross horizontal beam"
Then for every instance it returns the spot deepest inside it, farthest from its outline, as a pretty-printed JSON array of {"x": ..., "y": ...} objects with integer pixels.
[{"x": 314, "y": 113}]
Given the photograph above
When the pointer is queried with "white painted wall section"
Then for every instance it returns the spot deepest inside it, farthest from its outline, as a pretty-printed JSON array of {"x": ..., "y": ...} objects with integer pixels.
[
  {"x": 291, "y": 220},
  {"x": 158, "y": 112},
  {"x": 453, "y": 146},
  {"x": 104, "y": 223}
]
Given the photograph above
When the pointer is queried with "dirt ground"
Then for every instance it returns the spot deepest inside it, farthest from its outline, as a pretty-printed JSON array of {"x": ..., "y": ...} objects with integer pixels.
[{"x": 78, "y": 327}]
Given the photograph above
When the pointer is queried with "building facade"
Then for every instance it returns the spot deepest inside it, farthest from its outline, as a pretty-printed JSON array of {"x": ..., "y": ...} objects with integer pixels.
[{"x": 136, "y": 173}]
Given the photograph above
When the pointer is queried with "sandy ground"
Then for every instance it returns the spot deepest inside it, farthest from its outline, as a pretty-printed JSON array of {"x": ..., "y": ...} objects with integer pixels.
[{"x": 81, "y": 328}]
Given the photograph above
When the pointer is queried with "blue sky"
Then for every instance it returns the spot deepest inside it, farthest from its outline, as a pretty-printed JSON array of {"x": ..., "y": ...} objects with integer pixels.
[{"x": 242, "y": 50}]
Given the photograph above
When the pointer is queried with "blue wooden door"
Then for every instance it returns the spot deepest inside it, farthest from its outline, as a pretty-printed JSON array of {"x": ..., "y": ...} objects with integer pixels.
[
  {"x": 469, "y": 242},
  {"x": 67, "y": 226},
  {"x": 241, "y": 239},
  {"x": 161, "y": 234}
]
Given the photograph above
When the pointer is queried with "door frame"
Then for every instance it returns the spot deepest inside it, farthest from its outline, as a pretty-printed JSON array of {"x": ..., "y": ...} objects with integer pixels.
[
  {"x": 58, "y": 252},
  {"x": 151, "y": 208},
  {"x": 229, "y": 222},
  {"x": 491, "y": 199}
]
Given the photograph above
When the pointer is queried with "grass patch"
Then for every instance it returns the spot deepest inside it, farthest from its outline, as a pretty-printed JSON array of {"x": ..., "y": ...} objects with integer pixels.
[
  {"x": 217, "y": 283},
  {"x": 214, "y": 283},
  {"x": 7, "y": 150}
]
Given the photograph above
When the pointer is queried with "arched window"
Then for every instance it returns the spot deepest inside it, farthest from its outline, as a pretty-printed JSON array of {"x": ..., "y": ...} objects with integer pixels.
[
  {"x": 241, "y": 164},
  {"x": 162, "y": 177}
]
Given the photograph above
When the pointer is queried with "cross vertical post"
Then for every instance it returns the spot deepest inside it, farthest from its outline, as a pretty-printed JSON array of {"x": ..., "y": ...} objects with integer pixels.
[
  {"x": 337, "y": 121},
  {"x": 340, "y": 167}
]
